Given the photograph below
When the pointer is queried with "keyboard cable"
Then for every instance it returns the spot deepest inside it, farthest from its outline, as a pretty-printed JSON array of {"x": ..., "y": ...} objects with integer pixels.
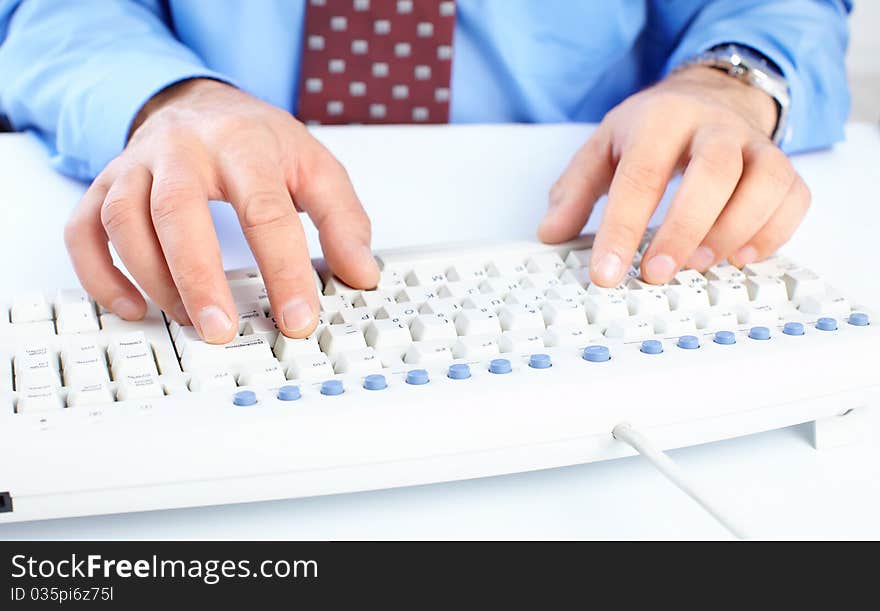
[{"x": 665, "y": 465}]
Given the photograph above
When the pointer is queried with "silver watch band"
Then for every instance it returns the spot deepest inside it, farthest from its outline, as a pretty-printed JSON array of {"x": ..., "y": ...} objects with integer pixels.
[{"x": 748, "y": 66}]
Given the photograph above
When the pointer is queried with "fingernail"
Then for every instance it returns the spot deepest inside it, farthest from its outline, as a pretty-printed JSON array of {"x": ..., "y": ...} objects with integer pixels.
[
  {"x": 297, "y": 315},
  {"x": 214, "y": 324},
  {"x": 660, "y": 269},
  {"x": 607, "y": 268},
  {"x": 746, "y": 255},
  {"x": 702, "y": 258},
  {"x": 179, "y": 314},
  {"x": 125, "y": 308}
]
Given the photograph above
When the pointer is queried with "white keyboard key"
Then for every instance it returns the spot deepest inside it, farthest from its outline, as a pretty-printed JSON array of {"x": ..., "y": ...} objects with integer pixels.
[
  {"x": 489, "y": 303},
  {"x": 674, "y": 324},
  {"x": 766, "y": 289},
  {"x": 458, "y": 290},
  {"x": 647, "y": 302},
  {"x": 358, "y": 362},
  {"x": 84, "y": 363},
  {"x": 540, "y": 281},
  {"x": 716, "y": 318},
  {"x": 335, "y": 286},
  {"x": 521, "y": 341},
  {"x": 445, "y": 306},
  {"x": 602, "y": 309},
  {"x": 566, "y": 292},
  {"x": 247, "y": 312},
  {"x": 425, "y": 275},
  {"x": 547, "y": 262},
  {"x": 725, "y": 272},
  {"x": 336, "y": 339},
  {"x": 236, "y": 277},
  {"x": 333, "y": 304},
  {"x": 509, "y": 267},
  {"x": 286, "y": 348},
  {"x": 636, "y": 283},
  {"x": 359, "y": 317},
  {"x": 386, "y": 333},
  {"x": 144, "y": 386},
  {"x": 774, "y": 266},
  {"x": 578, "y": 258},
  {"x": 218, "y": 379},
  {"x": 723, "y": 293},
  {"x": 401, "y": 312},
  {"x": 268, "y": 373},
  {"x": 466, "y": 272},
  {"x": 390, "y": 281},
  {"x": 131, "y": 354},
  {"x": 530, "y": 297},
  {"x": 570, "y": 336},
  {"x": 519, "y": 317},
  {"x": 476, "y": 347},
  {"x": 757, "y": 314},
  {"x": 39, "y": 399},
  {"x": 687, "y": 297},
  {"x": 803, "y": 283},
  {"x": 690, "y": 277},
  {"x": 75, "y": 312},
  {"x": 309, "y": 366},
  {"x": 579, "y": 276},
  {"x": 262, "y": 327},
  {"x": 26, "y": 331},
  {"x": 477, "y": 322},
  {"x": 417, "y": 294},
  {"x": 566, "y": 313},
  {"x": 89, "y": 393},
  {"x": 373, "y": 300},
  {"x": 829, "y": 304},
  {"x": 428, "y": 353},
  {"x": 499, "y": 285},
  {"x": 36, "y": 365},
  {"x": 202, "y": 355},
  {"x": 30, "y": 308},
  {"x": 433, "y": 327},
  {"x": 630, "y": 329}
]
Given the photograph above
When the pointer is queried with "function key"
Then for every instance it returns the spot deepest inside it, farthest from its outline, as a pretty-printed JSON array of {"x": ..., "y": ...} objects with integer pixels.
[
  {"x": 793, "y": 328},
  {"x": 375, "y": 381},
  {"x": 459, "y": 371},
  {"x": 417, "y": 377},
  {"x": 689, "y": 342},
  {"x": 332, "y": 387},
  {"x": 289, "y": 393},
  {"x": 540, "y": 361},
  {"x": 245, "y": 398},
  {"x": 725, "y": 338},
  {"x": 652, "y": 346},
  {"x": 760, "y": 333},
  {"x": 597, "y": 354},
  {"x": 826, "y": 324},
  {"x": 859, "y": 319},
  {"x": 500, "y": 366}
]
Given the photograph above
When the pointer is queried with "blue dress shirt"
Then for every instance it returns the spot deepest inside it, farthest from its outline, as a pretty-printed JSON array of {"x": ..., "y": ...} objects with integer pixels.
[{"x": 76, "y": 73}]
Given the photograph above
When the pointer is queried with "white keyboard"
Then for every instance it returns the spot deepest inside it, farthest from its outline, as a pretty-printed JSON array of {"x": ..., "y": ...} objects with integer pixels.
[{"x": 464, "y": 362}]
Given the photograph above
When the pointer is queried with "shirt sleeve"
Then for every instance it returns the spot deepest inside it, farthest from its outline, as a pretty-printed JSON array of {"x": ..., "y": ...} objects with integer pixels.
[
  {"x": 806, "y": 39},
  {"x": 77, "y": 73}
]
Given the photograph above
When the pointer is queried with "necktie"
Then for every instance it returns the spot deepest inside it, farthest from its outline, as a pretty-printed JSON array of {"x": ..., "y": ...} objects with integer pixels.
[{"x": 376, "y": 61}]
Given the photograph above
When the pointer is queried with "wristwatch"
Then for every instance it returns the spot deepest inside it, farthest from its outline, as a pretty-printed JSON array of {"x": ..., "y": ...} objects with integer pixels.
[{"x": 749, "y": 66}]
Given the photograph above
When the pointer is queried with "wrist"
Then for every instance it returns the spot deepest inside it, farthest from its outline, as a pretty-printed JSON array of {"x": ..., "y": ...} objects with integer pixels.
[
  {"x": 757, "y": 107},
  {"x": 184, "y": 91}
]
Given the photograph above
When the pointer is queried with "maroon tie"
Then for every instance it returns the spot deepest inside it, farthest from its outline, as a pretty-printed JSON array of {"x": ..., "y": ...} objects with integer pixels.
[{"x": 376, "y": 61}]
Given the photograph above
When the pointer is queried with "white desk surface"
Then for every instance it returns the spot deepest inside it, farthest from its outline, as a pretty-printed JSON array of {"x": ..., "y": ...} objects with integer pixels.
[{"x": 440, "y": 184}]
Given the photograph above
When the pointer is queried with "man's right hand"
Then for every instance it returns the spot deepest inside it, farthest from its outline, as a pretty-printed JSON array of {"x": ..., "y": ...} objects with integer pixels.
[{"x": 204, "y": 140}]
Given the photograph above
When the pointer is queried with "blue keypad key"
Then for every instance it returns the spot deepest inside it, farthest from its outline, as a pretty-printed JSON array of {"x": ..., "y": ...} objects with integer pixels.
[
  {"x": 375, "y": 381},
  {"x": 759, "y": 333},
  {"x": 597, "y": 354},
  {"x": 289, "y": 393},
  {"x": 859, "y": 319},
  {"x": 725, "y": 338},
  {"x": 500, "y": 366},
  {"x": 245, "y": 398},
  {"x": 689, "y": 342},
  {"x": 826, "y": 324},
  {"x": 540, "y": 361},
  {"x": 652, "y": 346},
  {"x": 459, "y": 371},
  {"x": 793, "y": 328},
  {"x": 417, "y": 377},
  {"x": 332, "y": 387}
]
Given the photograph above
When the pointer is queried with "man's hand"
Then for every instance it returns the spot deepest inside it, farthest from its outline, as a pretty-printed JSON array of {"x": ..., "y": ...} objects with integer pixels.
[
  {"x": 203, "y": 140},
  {"x": 739, "y": 198}
]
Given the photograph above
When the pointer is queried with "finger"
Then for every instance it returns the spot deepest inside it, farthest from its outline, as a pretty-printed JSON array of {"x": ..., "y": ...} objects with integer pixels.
[
  {"x": 646, "y": 165},
  {"x": 575, "y": 193},
  {"x": 258, "y": 191},
  {"x": 766, "y": 180},
  {"x": 709, "y": 180},
  {"x": 182, "y": 220},
  {"x": 779, "y": 229},
  {"x": 125, "y": 216},
  {"x": 322, "y": 188},
  {"x": 86, "y": 243}
]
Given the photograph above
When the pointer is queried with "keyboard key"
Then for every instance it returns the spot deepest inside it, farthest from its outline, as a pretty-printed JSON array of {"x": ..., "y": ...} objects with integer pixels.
[
  {"x": 466, "y": 272},
  {"x": 755, "y": 314},
  {"x": 596, "y": 354},
  {"x": 375, "y": 381},
  {"x": 417, "y": 294},
  {"x": 499, "y": 285},
  {"x": 358, "y": 317},
  {"x": 387, "y": 333},
  {"x": 793, "y": 328},
  {"x": 500, "y": 366},
  {"x": 630, "y": 329},
  {"x": 458, "y": 290},
  {"x": 458, "y": 371},
  {"x": 39, "y": 399},
  {"x": 675, "y": 323},
  {"x": 518, "y": 317},
  {"x": 309, "y": 366},
  {"x": 826, "y": 324},
  {"x": 36, "y": 365},
  {"x": 651, "y": 346},
  {"x": 548, "y": 262},
  {"x": 570, "y": 336},
  {"x": 687, "y": 297},
  {"x": 723, "y": 293},
  {"x": 244, "y": 398},
  {"x": 566, "y": 292},
  {"x": 202, "y": 355},
  {"x": 428, "y": 353},
  {"x": 220, "y": 379},
  {"x": 488, "y": 303},
  {"x": 602, "y": 309},
  {"x": 540, "y": 361},
  {"x": 830, "y": 302},
  {"x": 688, "y": 342},
  {"x": 270, "y": 373},
  {"x": 475, "y": 347},
  {"x": 433, "y": 327},
  {"x": 578, "y": 258},
  {"x": 417, "y": 377},
  {"x": 859, "y": 319},
  {"x": 725, "y": 272},
  {"x": 541, "y": 282},
  {"x": 425, "y": 275},
  {"x": 802, "y": 283},
  {"x": 335, "y": 286},
  {"x": 402, "y": 312},
  {"x": 647, "y": 303},
  {"x": 262, "y": 327},
  {"x": 690, "y": 277},
  {"x": 331, "y": 305},
  {"x": 84, "y": 362},
  {"x": 289, "y": 393},
  {"x": 373, "y": 300},
  {"x": 30, "y": 308},
  {"x": 566, "y": 313},
  {"x": 477, "y": 322},
  {"x": 724, "y": 338},
  {"x": 75, "y": 312},
  {"x": 579, "y": 276},
  {"x": 512, "y": 267},
  {"x": 358, "y": 362},
  {"x": 139, "y": 386},
  {"x": 89, "y": 393},
  {"x": 529, "y": 297},
  {"x": 760, "y": 333},
  {"x": 715, "y": 318},
  {"x": 336, "y": 339},
  {"x": 521, "y": 341},
  {"x": 447, "y": 307},
  {"x": 766, "y": 289},
  {"x": 286, "y": 347}
]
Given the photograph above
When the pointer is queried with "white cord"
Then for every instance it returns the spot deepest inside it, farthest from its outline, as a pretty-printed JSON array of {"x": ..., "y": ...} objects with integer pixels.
[{"x": 624, "y": 432}]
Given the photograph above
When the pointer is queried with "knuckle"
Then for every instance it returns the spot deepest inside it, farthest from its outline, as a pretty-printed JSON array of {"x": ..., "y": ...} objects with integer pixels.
[
  {"x": 167, "y": 199},
  {"x": 265, "y": 209},
  {"x": 720, "y": 155},
  {"x": 682, "y": 231},
  {"x": 116, "y": 212},
  {"x": 641, "y": 177},
  {"x": 776, "y": 167}
]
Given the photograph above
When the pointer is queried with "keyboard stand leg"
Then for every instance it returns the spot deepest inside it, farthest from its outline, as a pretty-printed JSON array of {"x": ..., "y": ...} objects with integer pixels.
[{"x": 846, "y": 429}]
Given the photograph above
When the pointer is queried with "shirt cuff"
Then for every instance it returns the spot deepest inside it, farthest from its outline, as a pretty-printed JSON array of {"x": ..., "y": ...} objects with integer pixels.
[{"x": 95, "y": 132}]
